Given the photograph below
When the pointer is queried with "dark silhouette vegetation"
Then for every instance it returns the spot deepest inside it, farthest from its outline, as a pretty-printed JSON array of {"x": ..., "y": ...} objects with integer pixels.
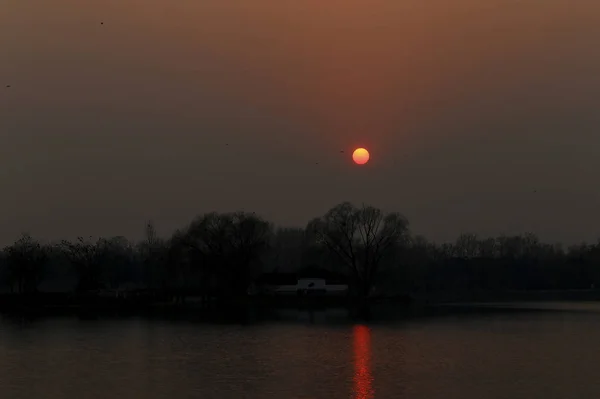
[{"x": 231, "y": 258}]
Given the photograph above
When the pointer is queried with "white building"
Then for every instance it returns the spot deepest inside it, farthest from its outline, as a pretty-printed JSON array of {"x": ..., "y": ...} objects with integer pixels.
[{"x": 298, "y": 284}]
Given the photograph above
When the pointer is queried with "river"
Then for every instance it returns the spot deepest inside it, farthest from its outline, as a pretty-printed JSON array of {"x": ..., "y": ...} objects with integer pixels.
[{"x": 551, "y": 353}]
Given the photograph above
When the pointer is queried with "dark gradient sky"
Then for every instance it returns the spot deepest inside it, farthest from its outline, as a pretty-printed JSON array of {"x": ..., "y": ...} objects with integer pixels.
[{"x": 467, "y": 107}]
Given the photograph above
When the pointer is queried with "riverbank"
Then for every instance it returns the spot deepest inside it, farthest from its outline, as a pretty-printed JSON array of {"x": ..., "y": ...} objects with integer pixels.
[
  {"x": 53, "y": 301},
  {"x": 508, "y": 296},
  {"x": 49, "y": 304}
]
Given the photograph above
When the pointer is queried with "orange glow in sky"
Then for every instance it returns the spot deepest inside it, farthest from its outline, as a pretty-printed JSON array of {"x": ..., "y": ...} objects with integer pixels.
[
  {"x": 360, "y": 156},
  {"x": 363, "y": 378}
]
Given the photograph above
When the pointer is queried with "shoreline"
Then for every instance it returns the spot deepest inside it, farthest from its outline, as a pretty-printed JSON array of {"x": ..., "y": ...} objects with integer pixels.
[{"x": 50, "y": 304}]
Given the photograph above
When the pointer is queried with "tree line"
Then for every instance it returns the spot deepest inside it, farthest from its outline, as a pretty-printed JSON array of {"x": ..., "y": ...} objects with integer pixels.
[{"x": 221, "y": 254}]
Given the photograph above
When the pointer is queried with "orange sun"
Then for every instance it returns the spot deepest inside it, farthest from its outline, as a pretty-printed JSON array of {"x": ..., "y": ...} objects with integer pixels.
[{"x": 360, "y": 156}]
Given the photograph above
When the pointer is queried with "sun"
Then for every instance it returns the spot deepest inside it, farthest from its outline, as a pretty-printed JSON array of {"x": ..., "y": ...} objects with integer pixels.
[{"x": 360, "y": 156}]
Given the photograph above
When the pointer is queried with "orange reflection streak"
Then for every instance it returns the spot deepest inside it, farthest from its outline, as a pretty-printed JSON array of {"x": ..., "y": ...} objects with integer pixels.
[{"x": 363, "y": 379}]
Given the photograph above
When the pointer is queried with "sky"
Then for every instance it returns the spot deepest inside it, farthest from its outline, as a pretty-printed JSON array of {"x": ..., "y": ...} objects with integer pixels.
[{"x": 480, "y": 116}]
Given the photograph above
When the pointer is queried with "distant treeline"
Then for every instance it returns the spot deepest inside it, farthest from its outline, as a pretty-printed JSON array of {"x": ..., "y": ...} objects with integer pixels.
[{"x": 219, "y": 255}]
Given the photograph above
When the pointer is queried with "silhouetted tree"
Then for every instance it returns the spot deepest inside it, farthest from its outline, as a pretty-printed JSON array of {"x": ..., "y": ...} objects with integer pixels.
[
  {"x": 3, "y": 269},
  {"x": 227, "y": 246},
  {"x": 219, "y": 255},
  {"x": 115, "y": 256},
  {"x": 25, "y": 261},
  {"x": 152, "y": 253},
  {"x": 361, "y": 238},
  {"x": 466, "y": 246},
  {"x": 84, "y": 257},
  {"x": 179, "y": 261}
]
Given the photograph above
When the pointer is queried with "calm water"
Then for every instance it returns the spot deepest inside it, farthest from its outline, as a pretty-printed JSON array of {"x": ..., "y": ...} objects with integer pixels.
[{"x": 510, "y": 355}]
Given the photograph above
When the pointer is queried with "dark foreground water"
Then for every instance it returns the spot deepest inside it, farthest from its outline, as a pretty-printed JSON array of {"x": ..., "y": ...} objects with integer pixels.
[{"x": 547, "y": 354}]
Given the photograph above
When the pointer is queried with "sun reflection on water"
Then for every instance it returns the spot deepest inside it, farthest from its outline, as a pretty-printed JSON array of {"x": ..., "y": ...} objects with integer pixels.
[{"x": 363, "y": 378}]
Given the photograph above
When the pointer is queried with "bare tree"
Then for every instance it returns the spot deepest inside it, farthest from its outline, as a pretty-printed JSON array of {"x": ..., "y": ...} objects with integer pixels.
[
  {"x": 178, "y": 263},
  {"x": 115, "y": 257},
  {"x": 361, "y": 238},
  {"x": 151, "y": 237},
  {"x": 83, "y": 255},
  {"x": 153, "y": 252},
  {"x": 488, "y": 248},
  {"x": 25, "y": 260},
  {"x": 467, "y": 246},
  {"x": 226, "y": 246}
]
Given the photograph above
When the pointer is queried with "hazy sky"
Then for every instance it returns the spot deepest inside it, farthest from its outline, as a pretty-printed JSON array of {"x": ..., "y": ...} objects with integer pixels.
[{"x": 481, "y": 116}]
